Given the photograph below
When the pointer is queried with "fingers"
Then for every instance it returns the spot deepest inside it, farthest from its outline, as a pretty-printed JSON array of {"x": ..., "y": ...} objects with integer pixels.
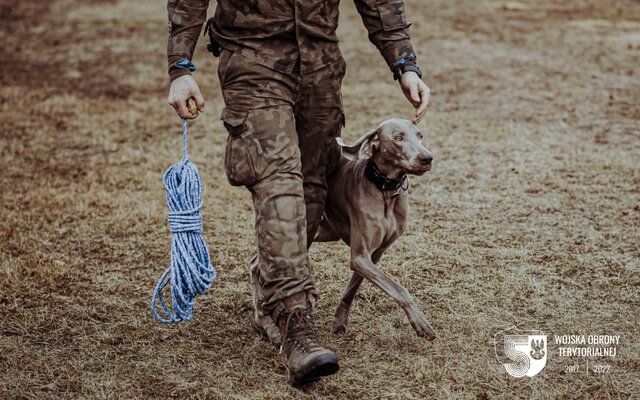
[
  {"x": 199, "y": 99},
  {"x": 422, "y": 108},
  {"x": 415, "y": 96},
  {"x": 183, "y": 110},
  {"x": 180, "y": 107},
  {"x": 418, "y": 117},
  {"x": 417, "y": 92}
]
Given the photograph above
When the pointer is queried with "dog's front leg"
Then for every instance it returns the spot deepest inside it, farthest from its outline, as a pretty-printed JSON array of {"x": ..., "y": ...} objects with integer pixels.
[{"x": 362, "y": 264}]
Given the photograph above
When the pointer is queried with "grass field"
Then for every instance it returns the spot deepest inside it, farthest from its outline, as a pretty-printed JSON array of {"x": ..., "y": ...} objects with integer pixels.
[{"x": 530, "y": 217}]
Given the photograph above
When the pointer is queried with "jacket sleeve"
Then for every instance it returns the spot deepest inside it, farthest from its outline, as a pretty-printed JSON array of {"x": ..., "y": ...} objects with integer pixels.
[
  {"x": 186, "y": 18},
  {"x": 388, "y": 28}
]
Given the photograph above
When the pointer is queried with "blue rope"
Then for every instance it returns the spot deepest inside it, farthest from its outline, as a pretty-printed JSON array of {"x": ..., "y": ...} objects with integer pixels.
[{"x": 191, "y": 272}]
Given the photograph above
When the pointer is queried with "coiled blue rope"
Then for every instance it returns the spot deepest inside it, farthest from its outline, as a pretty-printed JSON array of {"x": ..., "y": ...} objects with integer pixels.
[{"x": 191, "y": 272}]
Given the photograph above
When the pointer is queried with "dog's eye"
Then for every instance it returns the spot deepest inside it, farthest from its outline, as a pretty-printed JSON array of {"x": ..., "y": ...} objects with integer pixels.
[{"x": 398, "y": 138}]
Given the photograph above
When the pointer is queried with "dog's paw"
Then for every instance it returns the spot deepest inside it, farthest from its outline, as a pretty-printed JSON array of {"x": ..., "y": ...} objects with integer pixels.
[
  {"x": 427, "y": 334},
  {"x": 339, "y": 327},
  {"x": 422, "y": 327}
]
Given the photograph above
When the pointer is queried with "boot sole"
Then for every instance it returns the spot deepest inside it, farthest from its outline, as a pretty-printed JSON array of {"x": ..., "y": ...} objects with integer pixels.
[{"x": 326, "y": 364}]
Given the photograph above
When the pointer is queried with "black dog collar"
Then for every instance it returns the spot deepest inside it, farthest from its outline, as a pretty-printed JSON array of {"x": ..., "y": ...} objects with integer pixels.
[{"x": 373, "y": 173}]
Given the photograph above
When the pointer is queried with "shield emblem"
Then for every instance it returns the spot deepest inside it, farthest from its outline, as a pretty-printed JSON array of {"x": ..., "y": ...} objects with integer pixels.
[{"x": 523, "y": 353}]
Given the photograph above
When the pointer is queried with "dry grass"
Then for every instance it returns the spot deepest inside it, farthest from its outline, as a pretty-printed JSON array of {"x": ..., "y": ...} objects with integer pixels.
[{"x": 531, "y": 215}]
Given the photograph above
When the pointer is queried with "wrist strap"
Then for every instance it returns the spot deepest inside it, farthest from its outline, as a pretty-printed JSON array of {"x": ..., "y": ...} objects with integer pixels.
[
  {"x": 404, "y": 60},
  {"x": 185, "y": 64},
  {"x": 397, "y": 75}
]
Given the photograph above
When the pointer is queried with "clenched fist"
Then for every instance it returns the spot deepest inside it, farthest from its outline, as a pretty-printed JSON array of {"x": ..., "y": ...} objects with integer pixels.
[{"x": 182, "y": 89}]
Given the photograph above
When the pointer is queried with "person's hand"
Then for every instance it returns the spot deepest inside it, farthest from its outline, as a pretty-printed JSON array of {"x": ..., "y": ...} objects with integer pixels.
[
  {"x": 182, "y": 89},
  {"x": 417, "y": 92}
]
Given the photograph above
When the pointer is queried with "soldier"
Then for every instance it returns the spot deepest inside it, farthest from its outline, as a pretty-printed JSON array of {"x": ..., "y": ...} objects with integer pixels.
[{"x": 280, "y": 71}]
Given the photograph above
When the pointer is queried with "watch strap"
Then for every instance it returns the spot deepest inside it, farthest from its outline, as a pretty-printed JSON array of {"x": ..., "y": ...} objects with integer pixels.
[{"x": 402, "y": 69}]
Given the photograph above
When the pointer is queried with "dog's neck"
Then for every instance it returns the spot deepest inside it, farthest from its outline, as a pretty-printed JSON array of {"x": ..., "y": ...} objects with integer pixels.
[
  {"x": 387, "y": 168},
  {"x": 384, "y": 182}
]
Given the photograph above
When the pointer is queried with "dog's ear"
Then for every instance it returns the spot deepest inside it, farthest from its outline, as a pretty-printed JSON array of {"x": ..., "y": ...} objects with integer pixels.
[{"x": 363, "y": 148}]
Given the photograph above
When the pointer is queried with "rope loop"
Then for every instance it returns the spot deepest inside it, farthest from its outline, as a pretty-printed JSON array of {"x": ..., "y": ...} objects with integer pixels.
[{"x": 190, "y": 272}]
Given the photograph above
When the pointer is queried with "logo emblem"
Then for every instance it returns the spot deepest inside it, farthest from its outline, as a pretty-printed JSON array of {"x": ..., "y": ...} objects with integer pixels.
[{"x": 521, "y": 352}]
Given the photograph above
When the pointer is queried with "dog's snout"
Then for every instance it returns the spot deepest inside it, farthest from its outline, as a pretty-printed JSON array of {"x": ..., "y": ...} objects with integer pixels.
[{"x": 425, "y": 159}]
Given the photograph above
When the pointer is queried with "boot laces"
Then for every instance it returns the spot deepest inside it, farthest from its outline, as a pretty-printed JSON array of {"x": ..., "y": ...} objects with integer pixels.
[{"x": 301, "y": 332}]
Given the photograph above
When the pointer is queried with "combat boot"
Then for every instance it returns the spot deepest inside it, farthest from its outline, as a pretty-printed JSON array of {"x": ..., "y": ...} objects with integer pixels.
[{"x": 307, "y": 360}]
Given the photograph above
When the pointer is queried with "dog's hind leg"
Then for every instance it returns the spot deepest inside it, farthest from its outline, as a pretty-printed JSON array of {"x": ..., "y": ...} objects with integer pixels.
[{"x": 342, "y": 312}]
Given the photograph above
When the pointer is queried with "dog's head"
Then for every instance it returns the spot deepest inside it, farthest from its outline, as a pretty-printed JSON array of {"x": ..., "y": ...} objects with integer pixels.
[{"x": 396, "y": 143}]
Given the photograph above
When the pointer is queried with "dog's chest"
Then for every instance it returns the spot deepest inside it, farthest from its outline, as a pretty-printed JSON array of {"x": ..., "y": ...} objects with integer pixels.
[{"x": 395, "y": 213}]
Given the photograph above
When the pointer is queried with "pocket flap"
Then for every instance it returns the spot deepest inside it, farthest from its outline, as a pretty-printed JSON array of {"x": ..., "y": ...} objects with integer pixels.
[{"x": 233, "y": 118}]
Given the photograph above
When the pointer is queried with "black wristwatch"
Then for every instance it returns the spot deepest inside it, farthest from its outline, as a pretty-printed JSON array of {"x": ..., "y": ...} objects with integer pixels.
[{"x": 404, "y": 68}]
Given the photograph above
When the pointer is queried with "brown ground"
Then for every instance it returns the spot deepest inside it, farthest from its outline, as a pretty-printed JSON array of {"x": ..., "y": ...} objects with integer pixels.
[{"x": 531, "y": 215}]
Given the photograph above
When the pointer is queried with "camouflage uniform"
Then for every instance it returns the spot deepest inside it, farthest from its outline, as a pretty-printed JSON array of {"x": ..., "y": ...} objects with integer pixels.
[{"x": 281, "y": 71}]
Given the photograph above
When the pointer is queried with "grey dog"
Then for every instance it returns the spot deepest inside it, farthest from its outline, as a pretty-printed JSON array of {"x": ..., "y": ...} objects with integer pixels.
[{"x": 367, "y": 206}]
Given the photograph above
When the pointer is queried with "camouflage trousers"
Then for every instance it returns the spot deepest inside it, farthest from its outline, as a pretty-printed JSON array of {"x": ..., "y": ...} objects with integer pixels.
[{"x": 281, "y": 144}]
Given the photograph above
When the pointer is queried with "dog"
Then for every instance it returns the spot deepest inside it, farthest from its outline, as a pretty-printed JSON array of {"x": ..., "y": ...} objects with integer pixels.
[{"x": 366, "y": 207}]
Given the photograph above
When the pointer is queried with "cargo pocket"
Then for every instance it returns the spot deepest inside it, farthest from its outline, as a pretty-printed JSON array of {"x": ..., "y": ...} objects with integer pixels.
[
  {"x": 392, "y": 14},
  {"x": 238, "y": 158},
  {"x": 223, "y": 65}
]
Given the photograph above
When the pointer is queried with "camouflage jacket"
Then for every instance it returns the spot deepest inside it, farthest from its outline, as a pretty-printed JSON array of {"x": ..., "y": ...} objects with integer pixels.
[{"x": 276, "y": 33}]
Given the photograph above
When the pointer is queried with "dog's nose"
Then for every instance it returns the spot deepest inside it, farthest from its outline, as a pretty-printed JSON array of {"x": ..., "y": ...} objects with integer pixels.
[{"x": 425, "y": 159}]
